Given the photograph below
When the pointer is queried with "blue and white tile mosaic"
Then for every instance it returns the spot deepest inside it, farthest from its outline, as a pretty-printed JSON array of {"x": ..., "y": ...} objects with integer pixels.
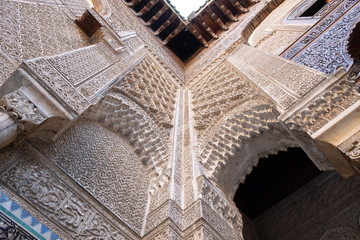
[{"x": 14, "y": 218}]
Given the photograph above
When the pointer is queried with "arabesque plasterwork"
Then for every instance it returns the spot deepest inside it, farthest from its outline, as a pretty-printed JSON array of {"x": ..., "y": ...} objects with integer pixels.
[{"x": 109, "y": 136}]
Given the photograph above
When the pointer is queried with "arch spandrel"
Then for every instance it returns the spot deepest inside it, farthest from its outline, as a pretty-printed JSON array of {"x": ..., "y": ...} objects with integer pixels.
[
  {"x": 240, "y": 106},
  {"x": 222, "y": 90},
  {"x": 105, "y": 164},
  {"x": 249, "y": 133},
  {"x": 121, "y": 114},
  {"x": 140, "y": 105}
]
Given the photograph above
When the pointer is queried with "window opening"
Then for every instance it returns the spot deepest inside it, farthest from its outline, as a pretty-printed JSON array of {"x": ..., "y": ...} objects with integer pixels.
[{"x": 311, "y": 11}]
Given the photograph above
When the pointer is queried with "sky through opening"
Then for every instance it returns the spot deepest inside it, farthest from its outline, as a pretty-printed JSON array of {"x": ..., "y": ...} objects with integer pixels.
[{"x": 185, "y": 7}]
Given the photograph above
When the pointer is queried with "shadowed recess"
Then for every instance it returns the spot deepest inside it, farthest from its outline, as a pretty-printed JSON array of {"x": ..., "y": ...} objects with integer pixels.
[
  {"x": 275, "y": 178},
  {"x": 184, "y": 45}
]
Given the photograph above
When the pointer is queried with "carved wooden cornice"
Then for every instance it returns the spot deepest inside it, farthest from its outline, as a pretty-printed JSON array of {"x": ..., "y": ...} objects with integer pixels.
[{"x": 205, "y": 24}]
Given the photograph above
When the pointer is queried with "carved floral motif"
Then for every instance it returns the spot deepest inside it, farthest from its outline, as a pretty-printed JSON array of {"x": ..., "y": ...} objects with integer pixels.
[
  {"x": 151, "y": 89},
  {"x": 51, "y": 77},
  {"x": 327, "y": 40},
  {"x": 220, "y": 91},
  {"x": 324, "y": 107},
  {"x": 62, "y": 205},
  {"x": 229, "y": 213},
  {"x": 21, "y": 108},
  {"x": 35, "y": 29}
]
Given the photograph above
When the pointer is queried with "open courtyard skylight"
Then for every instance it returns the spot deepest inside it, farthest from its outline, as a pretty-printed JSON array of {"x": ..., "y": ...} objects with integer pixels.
[{"x": 185, "y": 7}]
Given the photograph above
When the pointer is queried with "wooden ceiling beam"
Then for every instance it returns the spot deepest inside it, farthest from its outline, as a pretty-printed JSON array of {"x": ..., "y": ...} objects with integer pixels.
[
  {"x": 238, "y": 6},
  {"x": 180, "y": 27},
  {"x": 197, "y": 35},
  {"x": 133, "y": 3},
  {"x": 197, "y": 26},
  {"x": 172, "y": 17},
  {"x": 207, "y": 28},
  {"x": 216, "y": 19},
  {"x": 225, "y": 11},
  {"x": 147, "y": 7},
  {"x": 157, "y": 15},
  {"x": 251, "y": 2}
]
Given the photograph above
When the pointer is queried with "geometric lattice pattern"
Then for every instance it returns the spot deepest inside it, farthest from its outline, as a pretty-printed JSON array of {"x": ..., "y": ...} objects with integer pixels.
[
  {"x": 152, "y": 90},
  {"x": 234, "y": 133},
  {"x": 221, "y": 89},
  {"x": 119, "y": 113},
  {"x": 16, "y": 223}
]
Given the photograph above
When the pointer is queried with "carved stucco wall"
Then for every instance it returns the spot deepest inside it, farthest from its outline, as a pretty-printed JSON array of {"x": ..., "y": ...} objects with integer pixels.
[
  {"x": 274, "y": 36},
  {"x": 34, "y": 29},
  {"x": 132, "y": 146},
  {"x": 121, "y": 19},
  {"x": 236, "y": 108},
  {"x": 327, "y": 40},
  {"x": 285, "y": 25},
  {"x": 326, "y": 208},
  {"x": 104, "y": 163},
  {"x": 203, "y": 62},
  {"x": 47, "y": 28},
  {"x": 32, "y": 180}
]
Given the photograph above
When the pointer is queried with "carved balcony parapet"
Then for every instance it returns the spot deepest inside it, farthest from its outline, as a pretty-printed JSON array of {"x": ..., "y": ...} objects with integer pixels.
[
  {"x": 322, "y": 104},
  {"x": 52, "y": 80},
  {"x": 328, "y": 114},
  {"x": 93, "y": 24},
  {"x": 284, "y": 81}
]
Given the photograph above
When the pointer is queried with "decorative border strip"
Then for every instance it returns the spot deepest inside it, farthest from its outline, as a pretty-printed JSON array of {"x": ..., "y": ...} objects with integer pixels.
[{"x": 25, "y": 219}]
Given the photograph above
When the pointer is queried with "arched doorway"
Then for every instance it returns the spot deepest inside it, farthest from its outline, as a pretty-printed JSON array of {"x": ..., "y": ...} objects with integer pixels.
[
  {"x": 273, "y": 179},
  {"x": 287, "y": 197}
]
